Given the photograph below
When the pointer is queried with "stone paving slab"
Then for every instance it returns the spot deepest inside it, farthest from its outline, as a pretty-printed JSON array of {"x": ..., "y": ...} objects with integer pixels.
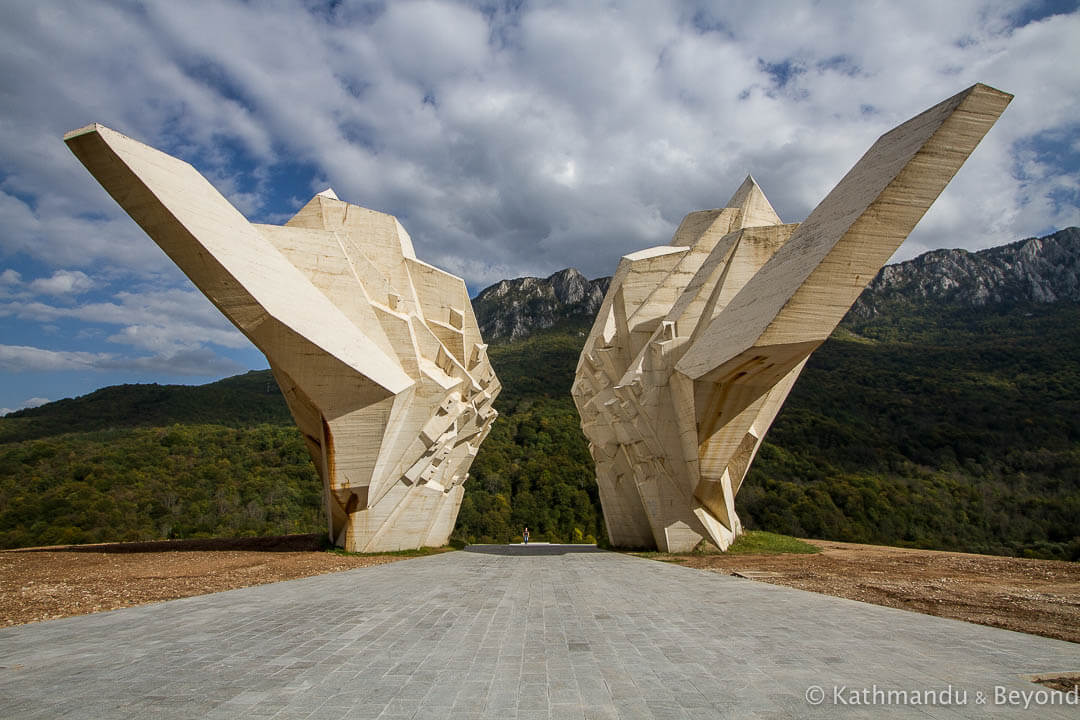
[{"x": 521, "y": 633}]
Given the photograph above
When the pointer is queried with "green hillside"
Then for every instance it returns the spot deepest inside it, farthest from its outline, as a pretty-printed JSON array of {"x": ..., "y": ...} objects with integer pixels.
[
  {"x": 929, "y": 428},
  {"x": 925, "y": 427},
  {"x": 963, "y": 436},
  {"x": 179, "y": 481},
  {"x": 239, "y": 401}
]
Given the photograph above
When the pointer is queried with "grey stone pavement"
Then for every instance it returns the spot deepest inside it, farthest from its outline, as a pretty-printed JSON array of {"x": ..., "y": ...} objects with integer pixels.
[{"x": 504, "y": 634}]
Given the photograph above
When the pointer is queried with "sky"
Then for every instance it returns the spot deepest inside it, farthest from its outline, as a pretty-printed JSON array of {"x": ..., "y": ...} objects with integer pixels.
[{"x": 510, "y": 138}]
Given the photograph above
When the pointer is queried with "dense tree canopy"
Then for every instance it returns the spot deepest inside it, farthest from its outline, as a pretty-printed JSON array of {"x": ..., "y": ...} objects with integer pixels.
[{"x": 924, "y": 426}]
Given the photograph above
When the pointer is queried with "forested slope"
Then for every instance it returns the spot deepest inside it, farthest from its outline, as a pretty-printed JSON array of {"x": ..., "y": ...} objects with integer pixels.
[
  {"x": 961, "y": 435},
  {"x": 240, "y": 401},
  {"x": 947, "y": 429},
  {"x": 921, "y": 422}
]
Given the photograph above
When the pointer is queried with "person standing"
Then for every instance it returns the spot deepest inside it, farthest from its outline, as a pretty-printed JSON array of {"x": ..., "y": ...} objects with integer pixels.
[{"x": 526, "y": 535}]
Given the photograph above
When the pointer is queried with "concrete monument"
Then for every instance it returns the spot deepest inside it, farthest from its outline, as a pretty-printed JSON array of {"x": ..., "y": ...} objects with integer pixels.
[
  {"x": 698, "y": 342},
  {"x": 378, "y": 354}
]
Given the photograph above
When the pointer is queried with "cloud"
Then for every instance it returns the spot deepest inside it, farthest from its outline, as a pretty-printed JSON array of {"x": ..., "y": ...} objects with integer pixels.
[
  {"x": 161, "y": 321},
  {"x": 63, "y": 282},
  {"x": 21, "y": 358},
  {"x": 520, "y": 139},
  {"x": 509, "y": 138},
  {"x": 197, "y": 362},
  {"x": 28, "y": 403},
  {"x": 10, "y": 281}
]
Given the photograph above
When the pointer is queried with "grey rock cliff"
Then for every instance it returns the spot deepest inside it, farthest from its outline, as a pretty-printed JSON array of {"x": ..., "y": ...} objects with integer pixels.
[
  {"x": 1040, "y": 270},
  {"x": 512, "y": 309}
]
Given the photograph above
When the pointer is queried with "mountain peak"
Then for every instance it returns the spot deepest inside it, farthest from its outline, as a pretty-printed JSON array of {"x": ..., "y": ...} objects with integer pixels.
[
  {"x": 513, "y": 309},
  {"x": 569, "y": 285}
]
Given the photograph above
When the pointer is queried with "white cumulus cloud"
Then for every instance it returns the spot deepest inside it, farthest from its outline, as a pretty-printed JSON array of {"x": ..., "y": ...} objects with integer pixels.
[
  {"x": 197, "y": 362},
  {"x": 22, "y": 358},
  {"x": 63, "y": 282},
  {"x": 161, "y": 321}
]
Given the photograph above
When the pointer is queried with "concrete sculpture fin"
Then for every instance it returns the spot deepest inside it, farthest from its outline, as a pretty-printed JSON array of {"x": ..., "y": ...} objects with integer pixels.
[
  {"x": 379, "y": 355},
  {"x": 699, "y": 342}
]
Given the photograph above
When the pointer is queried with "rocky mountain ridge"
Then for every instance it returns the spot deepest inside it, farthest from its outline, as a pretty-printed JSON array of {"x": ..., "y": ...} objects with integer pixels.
[
  {"x": 513, "y": 309},
  {"x": 1036, "y": 270}
]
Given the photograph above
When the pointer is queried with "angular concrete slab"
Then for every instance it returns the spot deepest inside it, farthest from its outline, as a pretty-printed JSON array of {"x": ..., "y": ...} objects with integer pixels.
[
  {"x": 698, "y": 342},
  {"x": 378, "y": 355},
  {"x": 477, "y": 635}
]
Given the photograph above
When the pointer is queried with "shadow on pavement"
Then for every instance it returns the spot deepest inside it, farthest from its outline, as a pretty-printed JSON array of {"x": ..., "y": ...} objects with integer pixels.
[{"x": 532, "y": 549}]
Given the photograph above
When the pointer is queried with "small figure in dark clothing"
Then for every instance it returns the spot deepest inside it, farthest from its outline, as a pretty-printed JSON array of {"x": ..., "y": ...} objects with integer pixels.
[{"x": 526, "y": 535}]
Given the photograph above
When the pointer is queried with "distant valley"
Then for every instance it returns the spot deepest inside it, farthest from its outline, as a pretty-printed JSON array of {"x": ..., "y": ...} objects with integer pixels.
[{"x": 942, "y": 413}]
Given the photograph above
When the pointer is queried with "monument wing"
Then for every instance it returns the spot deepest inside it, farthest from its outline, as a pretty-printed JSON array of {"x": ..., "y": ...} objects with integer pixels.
[
  {"x": 699, "y": 342},
  {"x": 378, "y": 354}
]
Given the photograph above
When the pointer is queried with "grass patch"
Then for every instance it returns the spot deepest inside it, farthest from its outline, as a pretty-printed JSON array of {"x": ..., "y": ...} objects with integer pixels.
[
  {"x": 416, "y": 552},
  {"x": 844, "y": 334},
  {"x": 758, "y": 542}
]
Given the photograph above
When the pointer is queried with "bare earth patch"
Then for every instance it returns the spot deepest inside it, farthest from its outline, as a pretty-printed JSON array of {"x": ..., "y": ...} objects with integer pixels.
[
  {"x": 45, "y": 583},
  {"x": 1041, "y": 597},
  {"x": 1064, "y": 683}
]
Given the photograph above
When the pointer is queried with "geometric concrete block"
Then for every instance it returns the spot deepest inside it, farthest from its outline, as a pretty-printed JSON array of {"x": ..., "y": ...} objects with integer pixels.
[
  {"x": 699, "y": 342},
  {"x": 378, "y": 354}
]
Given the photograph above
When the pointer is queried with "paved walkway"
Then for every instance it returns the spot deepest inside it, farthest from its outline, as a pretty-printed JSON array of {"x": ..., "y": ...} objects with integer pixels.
[{"x": 513, "y": 634}]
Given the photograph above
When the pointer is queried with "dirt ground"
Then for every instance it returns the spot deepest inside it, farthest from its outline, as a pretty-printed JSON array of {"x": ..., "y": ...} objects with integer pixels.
[
  {"x": 1041, "y": 597},
  {"x": 1033, "y": 596},
  {"x": 46, "y": 583}
]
